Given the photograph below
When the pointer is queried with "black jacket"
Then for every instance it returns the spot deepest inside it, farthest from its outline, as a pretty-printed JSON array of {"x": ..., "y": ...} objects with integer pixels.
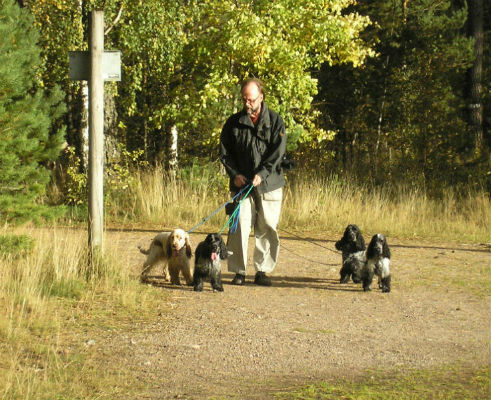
[{"x": 249, "y": 150}]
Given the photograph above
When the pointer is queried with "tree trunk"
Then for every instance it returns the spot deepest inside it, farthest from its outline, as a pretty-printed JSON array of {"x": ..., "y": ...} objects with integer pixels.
[
  {"x": 84, "y": 124},
  {"x": 84, "y": 101},
  {"x": 172, "y": 151},
  {"x": 111, "y": 139},
  {"x": 474, "y": 77}
]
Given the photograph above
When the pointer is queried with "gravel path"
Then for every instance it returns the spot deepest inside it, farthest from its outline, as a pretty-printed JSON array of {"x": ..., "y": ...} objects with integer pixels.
[{"x": 250, "y": 341}]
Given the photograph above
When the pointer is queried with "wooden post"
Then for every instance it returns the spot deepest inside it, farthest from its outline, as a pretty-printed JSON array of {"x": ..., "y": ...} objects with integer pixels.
[{"x": 96, "y": 133}]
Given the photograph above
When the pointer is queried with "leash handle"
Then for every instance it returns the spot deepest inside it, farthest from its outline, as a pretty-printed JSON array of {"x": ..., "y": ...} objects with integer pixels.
[
  {"x": 217, "y": 210},
  {"x": 235, "y": 214}
]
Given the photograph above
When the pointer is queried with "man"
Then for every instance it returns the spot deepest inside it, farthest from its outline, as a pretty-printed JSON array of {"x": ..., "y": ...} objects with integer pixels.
[{"x": 252, "y": 146}]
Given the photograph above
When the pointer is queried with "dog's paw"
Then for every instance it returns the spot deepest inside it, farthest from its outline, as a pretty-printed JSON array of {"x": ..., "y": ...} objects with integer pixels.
[{"x": 218, "y": 289}]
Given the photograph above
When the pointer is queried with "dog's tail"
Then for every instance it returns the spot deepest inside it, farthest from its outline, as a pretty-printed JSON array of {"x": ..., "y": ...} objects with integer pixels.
[
  {"x": 155, "y": 242},
  {"x": 143, "y": 251}
]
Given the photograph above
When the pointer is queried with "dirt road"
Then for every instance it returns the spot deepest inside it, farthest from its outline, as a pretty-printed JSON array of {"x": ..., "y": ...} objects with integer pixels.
[{"x": 250, "y": 341}]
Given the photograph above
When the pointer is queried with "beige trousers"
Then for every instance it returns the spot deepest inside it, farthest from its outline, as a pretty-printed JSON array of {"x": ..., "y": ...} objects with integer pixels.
[{"x": 261, "y": 212}]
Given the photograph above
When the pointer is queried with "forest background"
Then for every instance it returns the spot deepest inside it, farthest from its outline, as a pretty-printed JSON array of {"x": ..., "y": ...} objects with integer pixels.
[{"x": 379, "y": 93}]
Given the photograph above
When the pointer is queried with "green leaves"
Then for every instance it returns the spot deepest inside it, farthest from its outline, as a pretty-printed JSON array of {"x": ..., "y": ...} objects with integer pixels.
[
  {"x": 401, "y": 116},
  {"x": 183, "y": 61},
  {"x": 279, "y": 42}
]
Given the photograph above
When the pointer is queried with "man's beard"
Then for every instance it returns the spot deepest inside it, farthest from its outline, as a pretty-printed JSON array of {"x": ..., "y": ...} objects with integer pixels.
[{"x": 252, "y": 110}]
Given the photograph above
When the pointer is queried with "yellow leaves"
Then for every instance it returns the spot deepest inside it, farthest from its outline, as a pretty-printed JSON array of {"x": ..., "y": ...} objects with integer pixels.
[
  {"x": 324, "y": 135},
  {"x": 316, "y": 135}
]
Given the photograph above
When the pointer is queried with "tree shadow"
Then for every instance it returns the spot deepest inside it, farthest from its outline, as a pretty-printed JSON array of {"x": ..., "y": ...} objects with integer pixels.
[
  {"x": 314, "y": 283},
  {"x": 301, "y": 282},
  {"x": 160, "y": 282}
]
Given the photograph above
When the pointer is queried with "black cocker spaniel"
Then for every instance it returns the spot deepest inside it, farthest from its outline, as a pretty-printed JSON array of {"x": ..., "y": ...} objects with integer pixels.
[
  {"x": 207, "y": 264},
  {"x": 352, "y": 242}
]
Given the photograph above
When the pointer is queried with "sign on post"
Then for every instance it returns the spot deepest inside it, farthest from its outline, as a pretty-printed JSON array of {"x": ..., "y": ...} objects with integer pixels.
[{"x": 80, "y": 65}]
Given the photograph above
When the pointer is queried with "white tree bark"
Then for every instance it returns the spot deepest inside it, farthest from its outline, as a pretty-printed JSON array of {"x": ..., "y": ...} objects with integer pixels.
[
  {"x": 172, "y": 152},
  {"x": 84, "y": 125}
]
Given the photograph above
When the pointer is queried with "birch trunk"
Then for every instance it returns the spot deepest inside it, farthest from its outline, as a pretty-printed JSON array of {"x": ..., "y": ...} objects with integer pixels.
[{"x": 172, "y": 152}]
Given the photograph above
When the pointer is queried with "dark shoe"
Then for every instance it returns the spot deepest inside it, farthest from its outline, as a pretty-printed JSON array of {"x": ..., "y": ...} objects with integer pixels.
[
  {"x": 239, "y": 280},
  {"x": 262, "y": 279}
]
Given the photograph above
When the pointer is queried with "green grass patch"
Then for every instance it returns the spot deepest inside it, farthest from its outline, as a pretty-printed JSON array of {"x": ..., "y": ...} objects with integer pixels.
[
  {"x": 68, "y": 288},
  {"x": 15, "y": 245},
  {"x": 447, "y": 382}
]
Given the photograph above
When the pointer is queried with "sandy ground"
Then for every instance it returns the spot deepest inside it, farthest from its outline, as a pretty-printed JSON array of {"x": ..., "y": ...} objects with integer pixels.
[{"x": 250, "y": 341}]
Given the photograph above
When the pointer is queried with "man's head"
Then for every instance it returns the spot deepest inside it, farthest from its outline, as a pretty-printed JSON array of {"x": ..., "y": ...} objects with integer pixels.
[{"x": 252, "y": 93}]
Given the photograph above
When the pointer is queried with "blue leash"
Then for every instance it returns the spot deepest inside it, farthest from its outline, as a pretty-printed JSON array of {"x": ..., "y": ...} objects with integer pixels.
[
  {"x": 220, "y": 208},
  {"x": 233, "y": 221}
]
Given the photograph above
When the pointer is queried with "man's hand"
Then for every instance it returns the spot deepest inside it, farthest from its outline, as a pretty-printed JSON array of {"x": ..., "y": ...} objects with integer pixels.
[
  {"x": 240, "y": 180},
  {"x": 256, "y": 181}
]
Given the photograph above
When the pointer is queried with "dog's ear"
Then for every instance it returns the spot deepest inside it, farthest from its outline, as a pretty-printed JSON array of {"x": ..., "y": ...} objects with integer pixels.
[
  {"x": 189, "y": 250},
  {"x": 223, "y": 249},
  {"x": 360, "y": 242},
  {"x": 199, "y": 252},
  {"x": 370, "y": 249},
  {"x": 385, "y": 249},
  {"x": 168, "y": 246}
]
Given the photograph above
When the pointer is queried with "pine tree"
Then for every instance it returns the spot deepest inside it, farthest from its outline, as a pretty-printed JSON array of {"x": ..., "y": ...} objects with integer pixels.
[
  {"x": 28, "y": 137},
  {"x": 401, "y": 117}
]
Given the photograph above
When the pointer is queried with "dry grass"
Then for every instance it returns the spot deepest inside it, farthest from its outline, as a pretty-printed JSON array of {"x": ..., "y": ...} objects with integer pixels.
[
  {"x": 155, "y": 198},
  {"x": 310, "y": 203},
  {"x": 330, "y": 205},
  {"x": 51, "y": 314}
]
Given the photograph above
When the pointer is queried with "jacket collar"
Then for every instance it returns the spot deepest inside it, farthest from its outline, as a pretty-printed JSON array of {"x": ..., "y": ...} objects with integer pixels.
[{"x": 264, "y": 119}]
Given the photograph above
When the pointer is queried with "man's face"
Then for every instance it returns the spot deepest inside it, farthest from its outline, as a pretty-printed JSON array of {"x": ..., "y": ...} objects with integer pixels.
[{"x": 252, "y": 98}]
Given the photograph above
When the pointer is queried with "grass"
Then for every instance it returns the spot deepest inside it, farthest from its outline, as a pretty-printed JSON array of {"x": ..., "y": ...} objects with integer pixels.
[
  {"x": 454, "y": 382},
  {"x": 15, "y": 245},
  {"x": 54, "y": 311},
  {"x": 155, "y": 198},
  {"x": 329, "y": 204},
  {"x": 325, "y": 204}
]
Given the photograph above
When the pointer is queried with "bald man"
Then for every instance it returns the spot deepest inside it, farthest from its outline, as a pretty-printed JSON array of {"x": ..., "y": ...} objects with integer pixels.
[{"x": 252, "y": 146}]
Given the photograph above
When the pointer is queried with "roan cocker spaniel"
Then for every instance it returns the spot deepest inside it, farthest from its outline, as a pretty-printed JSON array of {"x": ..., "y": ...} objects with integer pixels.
[
  {"x": 351, "y": 242},
  {"x": 376, "y": 261},
  {"x": 173, "y": 249},
  {"x": 207, "y": 262}
]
